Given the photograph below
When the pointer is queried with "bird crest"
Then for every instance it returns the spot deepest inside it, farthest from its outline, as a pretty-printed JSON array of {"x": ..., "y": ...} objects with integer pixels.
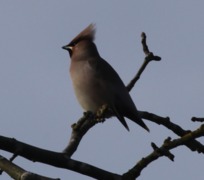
[{"x": 88, "y": 33}]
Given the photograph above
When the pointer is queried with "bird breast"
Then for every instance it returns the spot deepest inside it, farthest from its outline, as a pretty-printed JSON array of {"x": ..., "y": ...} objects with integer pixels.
[{"x": 89, "y": 88}]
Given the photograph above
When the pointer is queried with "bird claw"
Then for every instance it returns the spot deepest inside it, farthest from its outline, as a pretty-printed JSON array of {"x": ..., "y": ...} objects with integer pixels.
[
  {"x": 89, "y": 114},
  {"x": 100, "y": 114}
]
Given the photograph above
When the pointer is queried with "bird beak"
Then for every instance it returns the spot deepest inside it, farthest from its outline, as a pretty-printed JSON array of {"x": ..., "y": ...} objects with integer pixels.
[{"x": 67, "y": 47}]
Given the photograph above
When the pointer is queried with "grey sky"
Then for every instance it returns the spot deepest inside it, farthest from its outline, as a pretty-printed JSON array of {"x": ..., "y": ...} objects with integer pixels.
[{"x": 37, "y": 101}]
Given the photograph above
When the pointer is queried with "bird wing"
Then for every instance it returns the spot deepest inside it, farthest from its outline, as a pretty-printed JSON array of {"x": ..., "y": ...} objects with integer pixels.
[
  {"x": 121, "y": 103},
  {"x": 113, "y": 86}
]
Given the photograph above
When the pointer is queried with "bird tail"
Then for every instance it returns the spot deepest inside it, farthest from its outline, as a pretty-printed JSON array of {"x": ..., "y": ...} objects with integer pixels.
[
  {"x": 137, "y": 119},
  {"x": 120, "y": 118},
  {"x": 134, "y": 117}
]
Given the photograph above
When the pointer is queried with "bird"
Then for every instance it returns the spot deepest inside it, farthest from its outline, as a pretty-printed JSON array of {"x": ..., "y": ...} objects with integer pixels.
[{"x": 96, "y": 83}]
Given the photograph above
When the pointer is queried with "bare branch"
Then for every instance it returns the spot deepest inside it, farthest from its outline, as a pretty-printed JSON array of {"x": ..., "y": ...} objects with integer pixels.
[
  {"x": 149, "y": 57},
  {"x": 194, "y": 145},
  {"x": 17, "y": 172},
  {"x": 79, "y": 129},
  {"x": 197, "y": 119},
  {"x": 167, "y": 145},
  {"x": 56, "y": 159},
  {"x": 164, "y": 152}
]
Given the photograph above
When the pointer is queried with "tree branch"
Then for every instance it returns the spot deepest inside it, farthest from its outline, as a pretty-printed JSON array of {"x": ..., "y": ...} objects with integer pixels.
[
  {"x": 79, "y": 129},
  {"x": 17, "y": 172},
  {"x": 60, "y": 160},
  {"x": 197, "y": 119},
  {"x": 149, "y": 56},
  {"x": 194, "y": 145},
  {"x": 167, "y": 145}
]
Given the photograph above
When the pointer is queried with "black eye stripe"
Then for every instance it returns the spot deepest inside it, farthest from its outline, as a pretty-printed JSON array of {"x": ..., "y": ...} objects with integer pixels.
[{"x": 75, "y": 42}]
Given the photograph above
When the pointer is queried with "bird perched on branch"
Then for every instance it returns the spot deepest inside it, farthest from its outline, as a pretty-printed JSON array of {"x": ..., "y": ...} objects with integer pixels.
[{"x": 96, "y": 83}]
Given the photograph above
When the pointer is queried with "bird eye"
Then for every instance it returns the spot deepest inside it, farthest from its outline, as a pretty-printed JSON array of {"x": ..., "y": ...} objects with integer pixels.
[{"x": 74, "y": 43}]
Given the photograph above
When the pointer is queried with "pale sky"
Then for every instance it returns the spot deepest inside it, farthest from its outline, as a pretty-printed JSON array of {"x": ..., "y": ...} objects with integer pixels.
[{"x": 38, "y": 104}]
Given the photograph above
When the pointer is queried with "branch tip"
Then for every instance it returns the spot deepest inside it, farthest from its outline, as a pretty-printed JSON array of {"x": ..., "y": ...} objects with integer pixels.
[{"x": 197, "y": 119}]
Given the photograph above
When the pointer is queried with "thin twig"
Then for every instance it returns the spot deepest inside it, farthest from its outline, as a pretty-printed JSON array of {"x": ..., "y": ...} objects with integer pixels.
[
  {"x": 197, "y": 119},
  {"x": 17, "y": 172},
  {"x": 167, "y": 145},
  {"x": 149, "y": 56},
  {"x": 194, "y": 145}
]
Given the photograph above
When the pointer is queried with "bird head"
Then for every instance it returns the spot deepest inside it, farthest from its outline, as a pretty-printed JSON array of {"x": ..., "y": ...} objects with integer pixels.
[{"x": 82, "y": 44}]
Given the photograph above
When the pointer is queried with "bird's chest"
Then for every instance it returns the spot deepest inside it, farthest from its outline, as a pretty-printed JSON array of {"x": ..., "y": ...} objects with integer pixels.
[
  {"x": 87, "y": 86},
  {"x": 82, "y": 76}
]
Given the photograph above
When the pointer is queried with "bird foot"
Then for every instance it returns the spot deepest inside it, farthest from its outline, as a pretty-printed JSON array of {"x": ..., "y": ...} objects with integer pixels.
[
  {"x": 100, "y": 114},
  {"x": 89, "y": 114}
]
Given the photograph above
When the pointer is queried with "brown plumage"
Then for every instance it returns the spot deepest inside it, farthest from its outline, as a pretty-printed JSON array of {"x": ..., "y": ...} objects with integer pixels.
[{"x": 95, "y": 82}]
